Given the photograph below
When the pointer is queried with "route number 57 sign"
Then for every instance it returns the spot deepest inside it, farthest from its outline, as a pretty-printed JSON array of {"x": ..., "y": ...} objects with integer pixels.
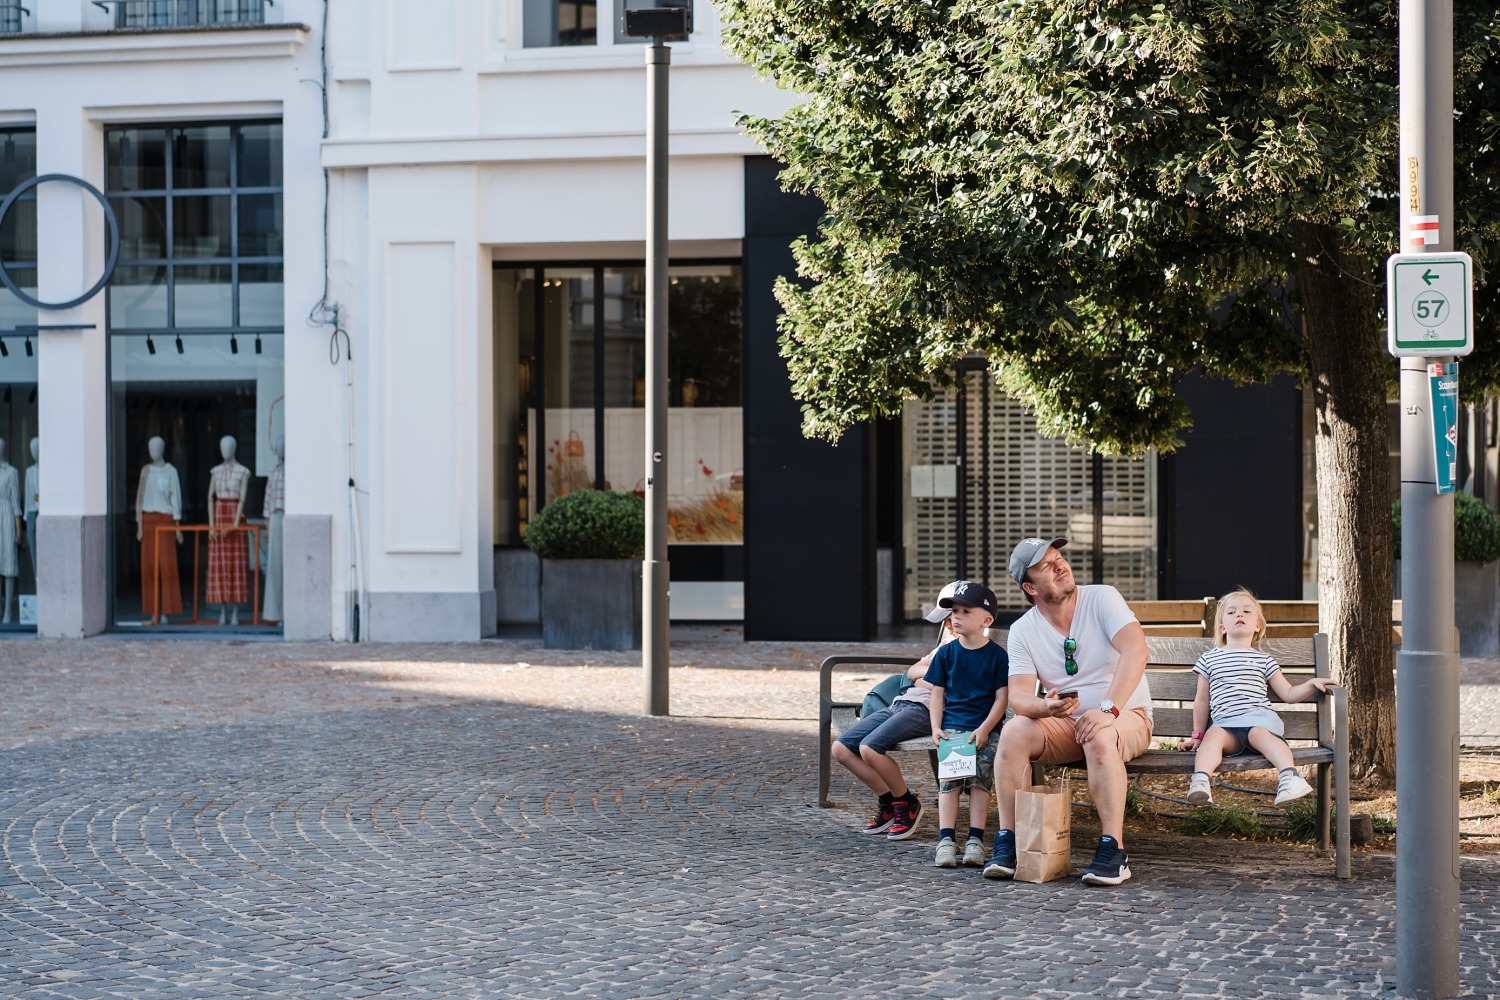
[{"x": 1430, "y": 304}]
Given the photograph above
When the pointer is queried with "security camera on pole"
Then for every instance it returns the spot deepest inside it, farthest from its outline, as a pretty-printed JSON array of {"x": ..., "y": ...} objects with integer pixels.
[
  {"x": 660, "y": 21},
  {"x": 1429, "y": 310}
]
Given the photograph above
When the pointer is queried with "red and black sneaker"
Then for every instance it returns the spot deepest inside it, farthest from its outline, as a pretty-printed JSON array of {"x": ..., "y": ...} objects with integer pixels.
[
  {"x": 885, "y": 815},
  {"x": 908, "y": 811}
]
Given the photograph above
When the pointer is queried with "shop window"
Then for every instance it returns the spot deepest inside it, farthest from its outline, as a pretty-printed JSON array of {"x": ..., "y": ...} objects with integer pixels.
[
  {"x": 19, "y": 439},
  {"x": 196, "y": 374},
  {"x": 571, "y": 393}
]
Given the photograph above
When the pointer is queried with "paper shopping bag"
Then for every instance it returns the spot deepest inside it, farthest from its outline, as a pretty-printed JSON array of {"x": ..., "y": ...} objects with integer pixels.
[
  {"x": 1044, "y": 830},
  {"x": 957, "y": 757}
]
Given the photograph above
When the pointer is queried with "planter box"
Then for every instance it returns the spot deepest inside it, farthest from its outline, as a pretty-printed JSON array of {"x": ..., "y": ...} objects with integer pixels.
[
  {"x": 591, "y": 603},
  {"x": 1476, "y": 607}
]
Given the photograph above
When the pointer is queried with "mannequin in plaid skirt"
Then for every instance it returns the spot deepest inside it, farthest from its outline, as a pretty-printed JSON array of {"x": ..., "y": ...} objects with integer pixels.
[{"x": 228, "y": 558}]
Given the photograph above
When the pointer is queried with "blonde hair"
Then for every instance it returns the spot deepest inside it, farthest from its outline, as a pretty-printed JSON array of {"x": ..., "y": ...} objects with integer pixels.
[{"x": 1260, "y": 630}]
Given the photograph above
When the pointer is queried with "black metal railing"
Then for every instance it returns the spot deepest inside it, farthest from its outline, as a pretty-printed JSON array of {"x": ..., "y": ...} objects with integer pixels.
[
  {"x": 184, "y": 13},
  {"x": 12, "y": 18}
]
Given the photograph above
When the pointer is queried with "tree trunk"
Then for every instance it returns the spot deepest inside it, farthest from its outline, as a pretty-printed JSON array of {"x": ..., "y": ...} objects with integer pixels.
[{"x": 1339, "y": 294}]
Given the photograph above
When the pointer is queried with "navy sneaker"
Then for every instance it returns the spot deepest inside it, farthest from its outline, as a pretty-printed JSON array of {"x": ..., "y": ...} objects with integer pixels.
[
  {"x": 1110, "y": 865},
  {"x": 885, "y": 815},
  {"x": 1002, "y": 863}
]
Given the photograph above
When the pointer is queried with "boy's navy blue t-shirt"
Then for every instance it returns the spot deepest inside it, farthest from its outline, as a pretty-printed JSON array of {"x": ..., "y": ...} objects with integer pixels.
[{"x": 969, "y": 679}]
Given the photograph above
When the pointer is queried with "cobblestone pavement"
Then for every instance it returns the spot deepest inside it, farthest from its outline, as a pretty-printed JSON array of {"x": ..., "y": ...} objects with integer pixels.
[{"x": 207, "y": 819}]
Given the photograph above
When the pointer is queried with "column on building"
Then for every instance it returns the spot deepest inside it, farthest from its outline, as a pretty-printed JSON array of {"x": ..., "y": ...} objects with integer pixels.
[
  {"x": 427, "y": 386},
  {"x": 72, "y": 525}
]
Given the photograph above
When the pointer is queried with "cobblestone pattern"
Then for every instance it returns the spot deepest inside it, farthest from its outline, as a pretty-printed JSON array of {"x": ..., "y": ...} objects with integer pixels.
[{"x": 510, "y": 833}]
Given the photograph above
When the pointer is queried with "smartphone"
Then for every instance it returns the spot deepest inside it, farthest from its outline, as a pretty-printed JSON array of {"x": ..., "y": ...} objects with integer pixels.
[{"x": 1066, "y": 694}]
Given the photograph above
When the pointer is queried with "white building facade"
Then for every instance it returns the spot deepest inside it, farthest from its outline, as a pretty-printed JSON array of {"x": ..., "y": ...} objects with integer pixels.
[{"x": 397, "y": 243}]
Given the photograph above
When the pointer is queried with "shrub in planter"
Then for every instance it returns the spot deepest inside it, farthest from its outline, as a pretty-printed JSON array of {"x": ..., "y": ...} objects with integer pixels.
[
  {"x": 590, "y": 543},
  {"x": 1476, "y": 530},
  {"x": 1476, "y": 548},
  {"x": 590, "y": 524}
]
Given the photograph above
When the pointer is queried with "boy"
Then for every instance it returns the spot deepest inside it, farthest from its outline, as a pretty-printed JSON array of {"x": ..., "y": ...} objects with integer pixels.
[
  {"x": 865, "y": 748},
  {"x": 969, "y": 694}
]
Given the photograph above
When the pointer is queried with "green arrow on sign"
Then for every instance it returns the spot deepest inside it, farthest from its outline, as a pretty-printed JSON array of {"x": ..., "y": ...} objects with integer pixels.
[{"x": 1429, "y": 276}]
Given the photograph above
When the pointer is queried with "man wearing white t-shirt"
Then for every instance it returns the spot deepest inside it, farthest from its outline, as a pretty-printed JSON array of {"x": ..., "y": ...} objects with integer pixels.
[{"x": 1089, "y": 652}]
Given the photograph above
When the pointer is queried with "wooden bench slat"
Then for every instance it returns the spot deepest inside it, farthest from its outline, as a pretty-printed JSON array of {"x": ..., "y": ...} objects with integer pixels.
[
  {"x": 1178, "y": 762},
  {"x": 1184, "y": 652},
  {"x": 1168, "y": 611},
  {"x": 1176, "y": 631},
  {"x": 1176, "y": 723}
]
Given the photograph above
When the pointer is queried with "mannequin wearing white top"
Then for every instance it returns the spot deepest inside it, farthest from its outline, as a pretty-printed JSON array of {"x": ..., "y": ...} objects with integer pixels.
[
  {"x": 160, "y": 493},
  {"x": 32, "y": 503},
  {"x": 227, "y": 485},
  {"x": 10, "y": 531}
]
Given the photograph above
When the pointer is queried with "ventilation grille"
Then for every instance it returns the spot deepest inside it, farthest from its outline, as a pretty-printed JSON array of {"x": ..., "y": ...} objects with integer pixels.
[{"x": 1016, "y": 484}]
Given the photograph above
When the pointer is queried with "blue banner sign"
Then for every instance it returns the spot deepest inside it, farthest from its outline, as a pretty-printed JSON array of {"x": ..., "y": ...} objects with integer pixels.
[{"x": 1443, "y": 379}]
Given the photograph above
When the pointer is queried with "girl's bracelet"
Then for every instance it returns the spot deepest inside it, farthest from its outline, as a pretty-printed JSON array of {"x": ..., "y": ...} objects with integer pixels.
[{"x": 1197, "y": 735}]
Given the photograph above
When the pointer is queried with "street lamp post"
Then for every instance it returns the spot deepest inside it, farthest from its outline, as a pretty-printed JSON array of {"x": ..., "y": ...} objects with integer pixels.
[
  {"x": 663, "y": 20},
  {"x": 1428, "y": 298}
]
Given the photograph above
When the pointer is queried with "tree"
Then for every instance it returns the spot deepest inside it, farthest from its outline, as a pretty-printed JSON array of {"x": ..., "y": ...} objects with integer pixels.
[{"x": 1103, "y": 195}]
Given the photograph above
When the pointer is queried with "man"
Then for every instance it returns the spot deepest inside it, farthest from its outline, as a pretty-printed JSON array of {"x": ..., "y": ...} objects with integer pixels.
[{"x": 1089, "y": 652}]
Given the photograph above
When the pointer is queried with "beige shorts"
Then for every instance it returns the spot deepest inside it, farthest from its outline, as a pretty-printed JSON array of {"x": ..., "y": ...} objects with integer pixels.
[{"x": 1132, "y": 729}]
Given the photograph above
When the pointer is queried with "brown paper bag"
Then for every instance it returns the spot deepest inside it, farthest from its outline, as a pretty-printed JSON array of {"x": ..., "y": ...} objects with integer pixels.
[{"x": 1044, "y": 830}]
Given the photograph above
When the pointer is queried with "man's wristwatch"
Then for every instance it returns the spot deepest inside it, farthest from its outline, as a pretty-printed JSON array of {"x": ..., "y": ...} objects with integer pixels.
[{"x": 1108, "y": 706}]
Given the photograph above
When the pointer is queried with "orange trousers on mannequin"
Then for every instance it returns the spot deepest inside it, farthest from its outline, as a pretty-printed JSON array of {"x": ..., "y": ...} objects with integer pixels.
[{"x": 159, "y": 553}]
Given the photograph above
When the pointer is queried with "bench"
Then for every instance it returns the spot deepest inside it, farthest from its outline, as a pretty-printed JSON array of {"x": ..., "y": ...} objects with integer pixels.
[
  {"x": 1321, "y": 725},
  {"x": 1284, "y": 619}
]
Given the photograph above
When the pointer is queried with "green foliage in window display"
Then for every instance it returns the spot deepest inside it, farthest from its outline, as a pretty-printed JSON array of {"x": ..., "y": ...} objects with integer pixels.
[
  {"x": 1476, "y": 530},
  {"x": 589, "y": 524}
]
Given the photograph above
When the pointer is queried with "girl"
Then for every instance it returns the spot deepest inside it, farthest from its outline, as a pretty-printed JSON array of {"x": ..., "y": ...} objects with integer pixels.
[{"x": 1232, "y": 680}]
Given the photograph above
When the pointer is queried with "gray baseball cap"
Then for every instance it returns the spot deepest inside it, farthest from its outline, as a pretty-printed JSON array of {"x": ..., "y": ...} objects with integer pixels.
[{"x": 1028, "y": 552}]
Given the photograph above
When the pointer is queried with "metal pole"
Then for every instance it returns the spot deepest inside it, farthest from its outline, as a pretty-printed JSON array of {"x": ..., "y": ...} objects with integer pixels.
[
  {"x": 1427, "y": 881},
  {"x": 655, "y": 631}
]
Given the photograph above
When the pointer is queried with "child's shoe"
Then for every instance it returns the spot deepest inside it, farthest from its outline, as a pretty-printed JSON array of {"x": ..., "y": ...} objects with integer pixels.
[
  {"x": 1199, "y": 793},
  {"x": 885, "y": 815},
  {"x": 973, "y": 852},
  {"x": 1291, "y": 785},
  {"x": 908, "y": 810},
  {"x": 947, "y": 854}
]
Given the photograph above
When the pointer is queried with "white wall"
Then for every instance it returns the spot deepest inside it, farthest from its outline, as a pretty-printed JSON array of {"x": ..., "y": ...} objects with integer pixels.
[{"x": 451, "y": 145}]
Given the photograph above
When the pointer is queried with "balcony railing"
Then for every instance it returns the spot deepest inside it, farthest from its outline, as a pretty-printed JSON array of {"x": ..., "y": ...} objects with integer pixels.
[
  {"x": 12, "y": 18},
  {"x": 184, "y": 13}
]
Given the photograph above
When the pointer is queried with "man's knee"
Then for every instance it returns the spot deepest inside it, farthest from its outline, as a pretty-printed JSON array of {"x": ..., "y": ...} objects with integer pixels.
[
  {"x": 1021, "y": 739},
  {"x": 869, "y": 753},
  {"x": 842, "y": 753},
  {"x": 1104, "y": 748}
]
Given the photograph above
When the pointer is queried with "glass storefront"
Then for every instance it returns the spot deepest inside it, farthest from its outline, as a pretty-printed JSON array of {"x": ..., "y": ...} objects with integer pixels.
[
  {"x": 20, "y": 445},
  {"x": 197, "y": 429},
  {"x": 570, "y": 396}
]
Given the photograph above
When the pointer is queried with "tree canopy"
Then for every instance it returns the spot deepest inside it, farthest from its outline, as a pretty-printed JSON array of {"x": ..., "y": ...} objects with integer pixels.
[
  {"x": 1101, "y": 196},
  {"x": 1098, "y": 196}
]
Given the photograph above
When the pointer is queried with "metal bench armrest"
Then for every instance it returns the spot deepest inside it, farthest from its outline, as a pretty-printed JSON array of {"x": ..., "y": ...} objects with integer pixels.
[{"x": 825, "y": 708}]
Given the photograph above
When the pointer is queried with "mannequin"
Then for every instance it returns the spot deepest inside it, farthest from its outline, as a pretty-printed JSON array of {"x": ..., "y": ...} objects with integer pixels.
[
  {"x": 275, "y": 511},
  {"x": 33, "y": 505},
  {"x": 228, "y": 558},
  {"x": 158, "y": 504},
  {"x": 10, "y": 531}
]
